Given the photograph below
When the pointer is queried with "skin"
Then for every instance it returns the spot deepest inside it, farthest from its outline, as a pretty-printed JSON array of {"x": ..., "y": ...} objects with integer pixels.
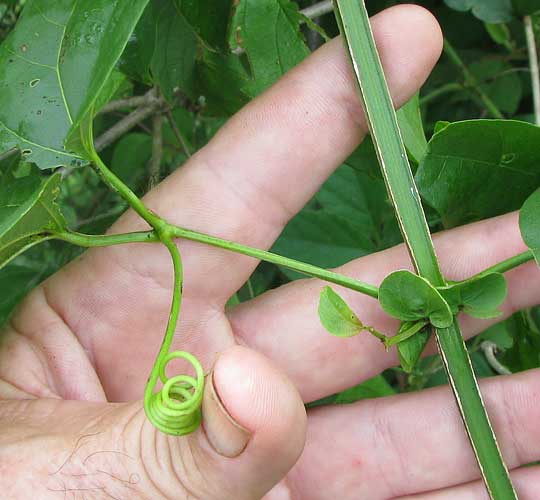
[{"x": 75, "y": 357}]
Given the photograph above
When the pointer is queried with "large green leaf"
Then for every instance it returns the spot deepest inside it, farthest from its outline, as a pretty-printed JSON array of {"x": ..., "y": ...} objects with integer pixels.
[
  {"x": 57, "y": 61},
  {"x": 490, "y": 11},
  {"x": 470, "y": 166},
  {"x": 28, "y": 213},
  {"x": 209, "y": 18},
  {"x": 529, "y": 223},
  {"x": 173, "y": 61},
  {"x": 269, "y": 32}
]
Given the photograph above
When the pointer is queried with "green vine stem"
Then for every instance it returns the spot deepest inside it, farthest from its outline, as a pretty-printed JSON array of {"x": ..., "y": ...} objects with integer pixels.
[
  {"x": 506, "y": 265},
  {"x": 353, "y": 19},
  {"x": 92, "y": 241},
  {"x": 301, "y": 267},
  {"x": 89, "y": 241}
]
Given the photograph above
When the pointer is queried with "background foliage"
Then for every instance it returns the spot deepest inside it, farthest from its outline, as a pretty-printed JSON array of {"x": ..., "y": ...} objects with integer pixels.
[{"x": 191, "y": 64}]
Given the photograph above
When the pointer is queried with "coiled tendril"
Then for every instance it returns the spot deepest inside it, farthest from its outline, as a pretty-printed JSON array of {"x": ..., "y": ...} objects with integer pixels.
[{"x": 176, "y": 408}]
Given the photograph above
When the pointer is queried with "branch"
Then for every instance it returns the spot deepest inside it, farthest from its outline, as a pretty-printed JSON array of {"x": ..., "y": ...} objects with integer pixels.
[
  {"x": 125, "y": 125},
  {"x": 8, "y": 154},
  {"x": 319, "y": 9},
  {"x": 157, "y": 151},
  {"x": 533, "y": 63},
  {"x": 138, "y": 101}
]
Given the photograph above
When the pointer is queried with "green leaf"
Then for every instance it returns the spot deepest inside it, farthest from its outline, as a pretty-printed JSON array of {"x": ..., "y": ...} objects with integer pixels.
[
  {"x": 15, "y": 283},
  {"x": 500, "y": 83},
  {"x": 220, "y": 79},
  {"x": 524, "y": 354},
  {"x": 375, "y": 387},
  {"x": 28, "y": 213},
  {"x": 57, "y": 61},
  {"x": 411, "y": 349},
  {"x": 408, "y": 297},
  {"x": 130, "y": 158},
  {"x": 500, "y": 33},
  {"x": 529, "y": 223},
  {"x": 209, "y": 19},
  {"x": 348, "y": 218},
  {"x": 173, "y": 61},
  {"x": 479, "y": 298},
  {"x": 490, "y": 11},
  {"x": 412, "y": 129},
  {"x": 470, "y": 165},
  {"x": 269, "y": 32},
  {"x": 336, "y": 316},
  {"x": 526, "y": 7}
]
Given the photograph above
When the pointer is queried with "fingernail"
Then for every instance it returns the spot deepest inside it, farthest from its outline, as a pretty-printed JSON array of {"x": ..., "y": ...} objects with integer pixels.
[{"x": 225, "y": 435}]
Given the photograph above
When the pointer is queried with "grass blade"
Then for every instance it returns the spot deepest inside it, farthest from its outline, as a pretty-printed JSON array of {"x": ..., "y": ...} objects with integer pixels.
[{"x": 354, "y": 23}]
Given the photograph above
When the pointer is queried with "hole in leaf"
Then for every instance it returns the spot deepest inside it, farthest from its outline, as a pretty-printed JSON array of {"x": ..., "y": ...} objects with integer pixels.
[
  {"x": 34, "y": 83},
  {"x": 508, "y": 158}
]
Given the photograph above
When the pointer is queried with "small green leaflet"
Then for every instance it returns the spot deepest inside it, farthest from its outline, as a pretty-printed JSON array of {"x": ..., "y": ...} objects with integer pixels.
[
  {"x": 529, "y": 223},
  {"x": 28, "y": 213},
  {"x": 57, "y": 61},
  {"x": 336, "y": 316},
  {"x": 479, "y": 298},
  {"x": 410, "y": 350},
  {"x": 408, "y": 297}
]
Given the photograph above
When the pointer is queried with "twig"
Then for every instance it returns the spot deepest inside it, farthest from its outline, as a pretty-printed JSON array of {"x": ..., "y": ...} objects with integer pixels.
[
  {"x": 489, "y": 349},
  {"x": 138, "y": 101},
  {"x": 157, "y": 151},
  {"x": 124, "y": 126},
  {"x": 178, "y": 133},
  {"x": 533, "y": 63},
  {"x": 319, "y": 9},
  {"x": 8, "y": 154}
]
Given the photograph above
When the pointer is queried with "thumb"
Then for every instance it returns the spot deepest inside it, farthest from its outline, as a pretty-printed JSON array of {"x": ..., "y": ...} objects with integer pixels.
[{"x": 253, "y": 432}]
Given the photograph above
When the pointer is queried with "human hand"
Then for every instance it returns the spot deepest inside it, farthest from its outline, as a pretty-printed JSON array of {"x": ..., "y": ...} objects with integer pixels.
[{"x": 75, "y": 357}]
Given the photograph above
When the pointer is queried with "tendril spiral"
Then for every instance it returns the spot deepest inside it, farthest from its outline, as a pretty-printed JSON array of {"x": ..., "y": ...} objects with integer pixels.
[{"x": 176, "y": 408}]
